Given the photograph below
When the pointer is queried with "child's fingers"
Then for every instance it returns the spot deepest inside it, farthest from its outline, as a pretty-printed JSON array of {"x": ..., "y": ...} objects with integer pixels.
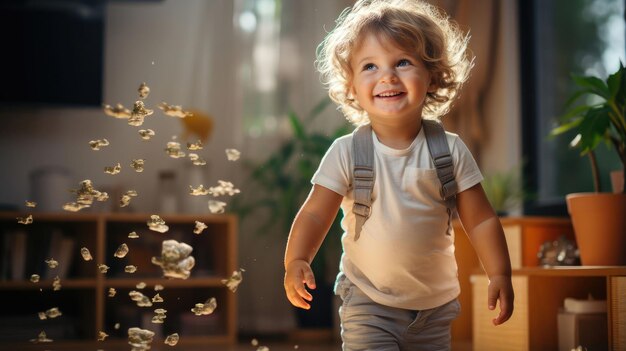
[
  {"x": 506, "y": 310},
  {"x": 492, "y": 296},
  {"x": 309, "y": 279}
]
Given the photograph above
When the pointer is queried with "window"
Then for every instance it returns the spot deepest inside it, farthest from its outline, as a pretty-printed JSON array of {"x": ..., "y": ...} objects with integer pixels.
[{"x": 558, "y": 38}]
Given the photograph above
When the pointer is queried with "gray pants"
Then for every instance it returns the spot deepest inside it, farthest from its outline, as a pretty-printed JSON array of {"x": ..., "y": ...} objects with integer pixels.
[{"x": 367, "y": 325}]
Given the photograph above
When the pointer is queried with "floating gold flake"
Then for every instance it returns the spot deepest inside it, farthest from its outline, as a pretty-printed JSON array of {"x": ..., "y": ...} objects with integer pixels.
[
  {"x": 158, "y": 287},
  {"x": 232, "y": 154},
  {"x": 146, "y": 134},
  {"x": 235, "y": 279},
  {"x": 117, "y": 111},
  {"x": 103, "y": 268},
  {"x": 41, "y": 338},
  {"x": 223, "y": 188},
  {"x": 175, "y": 259},
  {"x": 140, "y": 285},
  {"x": 42, "y": 315},
  {"x": 157, "y": 298},
  {"x": 263, "y": 348},
  {"x": 143, "y": 90},
  {"x": 138, "y": 114},
  {"x": 200, "y": 226},
  {"x": 34, "y": 278},
  {"x": 130, "y": 269},
  {"x": 141, "y": 299},
  {"x": 56, "y": 283},
  {"x": 121, "y": 251},
  {"x": 125, "y": 199},
  {"x": 54, "y": 312},
  {"x": 85, "y": 195},
  {"x": 160, "y": 316},
  {"x": 172, "y": 339},
  {"x": 116, "y": 326},
  {"x": 173, "y": 149},
  {"x": 137, "y": 165},
  {"x": 254, "y": 342},
  {"x": 157, "y": 224},
  {"x": 30, "y": 203},
  {"x": 140, "y": 339},
  {"x": 133, "y": 235},
  {"x": 25, "y": 220},
  {"x": 205, "y": 308},
  {"x": 216, "y": 206},
  {"x": 194, "y": 146},
  {"x": 74, "y": 206},
  {"x": 201, "y": 190},
  {"x": 113, "y": 170},
  {"x": 196, "y": 160},
  {"x": 102, "y": 335},
  {"x": 97, "y": 144},
  {"x": 174, "y": 110},
  {"x": 112, "y": 292},
  {"x": 86, "y": 254},
  {"x": 52, "y": 263}
]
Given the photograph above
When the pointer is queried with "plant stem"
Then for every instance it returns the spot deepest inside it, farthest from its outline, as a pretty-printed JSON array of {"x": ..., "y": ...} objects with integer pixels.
[{"x": 595, "y": 171}]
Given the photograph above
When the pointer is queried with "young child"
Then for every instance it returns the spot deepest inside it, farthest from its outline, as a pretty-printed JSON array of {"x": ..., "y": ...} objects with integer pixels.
[{"x": 393, "y": 63}]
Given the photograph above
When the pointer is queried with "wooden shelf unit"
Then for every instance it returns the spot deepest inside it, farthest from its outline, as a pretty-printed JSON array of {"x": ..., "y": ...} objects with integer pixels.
[{"x": 83, "y": 298}]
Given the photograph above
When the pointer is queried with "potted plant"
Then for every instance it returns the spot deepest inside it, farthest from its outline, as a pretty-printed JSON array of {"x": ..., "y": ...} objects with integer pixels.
[
  {"x": 504, "y": 190},
  {"x": 282, "y": 183},
  {"x": 599, "y": 218}
]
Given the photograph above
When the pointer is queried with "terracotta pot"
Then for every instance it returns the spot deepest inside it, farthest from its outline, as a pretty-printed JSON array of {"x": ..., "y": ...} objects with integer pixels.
[
  {"x": 617, "y": 181},
  {"x": 599, "y": 221}
]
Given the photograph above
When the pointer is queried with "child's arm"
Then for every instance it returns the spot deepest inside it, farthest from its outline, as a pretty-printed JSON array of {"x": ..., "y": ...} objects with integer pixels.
[
  {"x": 485, "y": 232},
  {"x": 307, "y": 234}
]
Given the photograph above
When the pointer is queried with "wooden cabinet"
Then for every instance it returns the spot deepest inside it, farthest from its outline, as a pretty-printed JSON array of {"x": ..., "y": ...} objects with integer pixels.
[
  {"x": 539, "y": 294},
  {"x": 84, "y": 295}
]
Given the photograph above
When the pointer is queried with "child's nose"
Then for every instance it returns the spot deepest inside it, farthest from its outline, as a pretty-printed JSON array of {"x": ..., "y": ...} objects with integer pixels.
[{"x": 388, "y": 76}]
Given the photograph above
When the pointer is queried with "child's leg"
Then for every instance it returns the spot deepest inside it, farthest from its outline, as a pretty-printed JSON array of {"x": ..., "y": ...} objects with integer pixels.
[
  {"x": 367, "y": 325},
  {"x": 430, "y": 330}
]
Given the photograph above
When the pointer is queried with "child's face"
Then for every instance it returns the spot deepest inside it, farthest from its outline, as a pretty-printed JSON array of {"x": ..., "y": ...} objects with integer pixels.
[{"x": 389, "y": 83}]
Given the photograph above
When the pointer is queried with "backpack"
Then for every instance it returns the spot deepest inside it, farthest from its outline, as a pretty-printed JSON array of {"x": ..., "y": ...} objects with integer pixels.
[{"x": 364, "y": 175}]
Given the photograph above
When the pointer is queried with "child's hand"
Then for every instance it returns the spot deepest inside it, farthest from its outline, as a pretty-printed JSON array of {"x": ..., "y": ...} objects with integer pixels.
[
  {"x": 500, "y": 288},
  {"x": 297, "y": 274}
]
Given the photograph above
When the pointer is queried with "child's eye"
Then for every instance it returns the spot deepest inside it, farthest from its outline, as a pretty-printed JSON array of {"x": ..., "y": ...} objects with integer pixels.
[
  {"x": 404, "y": 62},
  {"x": 369, "y": 67}
]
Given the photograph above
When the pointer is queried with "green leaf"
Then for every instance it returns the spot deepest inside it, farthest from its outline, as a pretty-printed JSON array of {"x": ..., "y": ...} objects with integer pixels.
[
  {"x": 615, "y": 81},
  {"x": 318, "y": 109},
  {"x": 296, "y": 126},
  {"x": 593, "y": 128},
  {"x": 575, "y": 112},
  {"x": 593, "y": 85},
  {"x": 566, "y": 127}
]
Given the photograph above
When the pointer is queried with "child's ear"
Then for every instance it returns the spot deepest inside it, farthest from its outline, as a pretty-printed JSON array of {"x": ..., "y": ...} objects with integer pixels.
[{"x": 432, "y": 87}]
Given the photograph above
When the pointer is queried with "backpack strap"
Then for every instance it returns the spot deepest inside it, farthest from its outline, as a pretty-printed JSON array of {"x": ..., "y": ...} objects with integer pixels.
[
  {"x": 442, "y": 158},
  {"x": 363, "y": 173}
]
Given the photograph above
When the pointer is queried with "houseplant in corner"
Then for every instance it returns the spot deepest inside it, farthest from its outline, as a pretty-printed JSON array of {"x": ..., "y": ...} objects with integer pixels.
[{"x": 599, "y": 218}]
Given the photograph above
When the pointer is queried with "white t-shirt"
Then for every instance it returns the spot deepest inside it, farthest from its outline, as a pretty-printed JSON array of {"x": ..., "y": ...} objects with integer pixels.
[{"x": 403, "y": 257}]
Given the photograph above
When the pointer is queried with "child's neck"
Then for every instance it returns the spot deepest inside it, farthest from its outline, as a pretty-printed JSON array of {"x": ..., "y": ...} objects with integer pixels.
[{"x": 397, "y": 136}]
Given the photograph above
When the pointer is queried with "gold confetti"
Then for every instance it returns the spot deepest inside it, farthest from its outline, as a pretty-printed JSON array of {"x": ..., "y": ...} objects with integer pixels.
[
  {"x": 263, "y": 348},
  {"x": 56, "y": 283},
  {"x": 232, "y": 154},
  {"x": 103, "y": 268},
  {"x": 138, "y": 114},
  {"x": 173, "y": 149},
  {"x": 102, "y": 335},
  {"x": 113, "y": 170},
  {"x": 112, "y": 292},
  {"x": 74, "y": 206},
  {"x": 146, "y": 134},
  {"x": 140, "y": 285},
  {"x": 198, "y": 191},
  {"x": 140, "y": 339},
  {"x": 196, "y": 160},
  {"x": 41, "y": 338},
  {"x": 52, "y": 313},
  {"x": 254, "y": 342},
  {"x": 205, "y": 308},
  {"x": 194, "y": 146},
  {"x": 200, "y": 226},
  {"x": 121, "y": 251},
  {"x": 118, "y": 111},
  {"x": 175, "y": 259},
  {"x": 42, "y": 315},
  {"x": 143, "y": 90},
  {"x": 157, "y": 298},
  {"x": 34, "y": 278},
  {"x": 116, "y": 326},
  {"x": 216, "y": 206},
  {"x": 141, "y": 299},
  {"x": 157, "y": 224},
  {"x": 86, "y": 254},
  {"x": 235, "y": 279},
  {"x": 125, "y": 199},
  {"x": 174, "y": 110},
  {"x": 172, "y": 339},
  {"x": 97, "y": 144},
  {"x": 130, "y": 269},
  {"x": 158, "y": 287},
  {"x": 224, "y": 188},
  {"x": 31, "y": 204},
  {"x": 133, "y": 235},
  {"x": 137, "y": 165},
  {"x": 25, "y": 220},
  {"x": 52, "y": 263},
  {"x": 160, "y": 316}
]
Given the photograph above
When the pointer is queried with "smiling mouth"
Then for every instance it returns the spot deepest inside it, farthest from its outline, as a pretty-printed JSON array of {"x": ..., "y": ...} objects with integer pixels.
[{"x": 390, "y": 94}]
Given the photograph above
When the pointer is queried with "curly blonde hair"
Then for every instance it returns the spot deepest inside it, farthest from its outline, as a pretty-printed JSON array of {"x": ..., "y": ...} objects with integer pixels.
[{"x": 413, "y": 25}]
